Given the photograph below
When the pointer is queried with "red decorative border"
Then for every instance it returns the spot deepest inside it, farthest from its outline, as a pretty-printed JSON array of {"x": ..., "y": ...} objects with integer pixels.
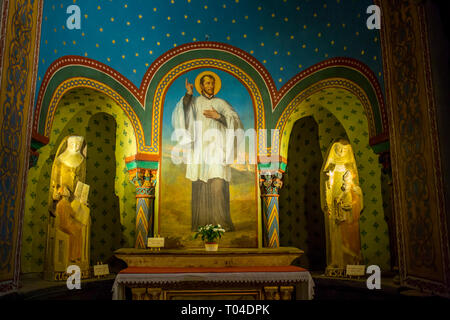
[
  {"x": 341, "y": 61},
  {"x": 383, "y": 137},
  {"x": 275, "y": 95},
  {"x": 76, "y": 60},
  {"x": 171, "y": 270},
  {"x": 40, "y": 138},
  {"x": 215, "y": 46},
  {"x": 142, "y": 157}
]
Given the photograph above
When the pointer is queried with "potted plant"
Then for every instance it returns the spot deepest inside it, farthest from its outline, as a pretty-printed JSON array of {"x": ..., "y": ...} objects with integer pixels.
[{"x": 210, "y": 234}]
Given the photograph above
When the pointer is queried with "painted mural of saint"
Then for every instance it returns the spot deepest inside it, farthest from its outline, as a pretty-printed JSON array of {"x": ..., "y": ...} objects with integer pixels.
[{"x": 207, "y": 120}]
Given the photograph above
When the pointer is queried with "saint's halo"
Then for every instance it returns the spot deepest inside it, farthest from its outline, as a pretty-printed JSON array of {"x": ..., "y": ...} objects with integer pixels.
[{"x": 217, "y": 82}]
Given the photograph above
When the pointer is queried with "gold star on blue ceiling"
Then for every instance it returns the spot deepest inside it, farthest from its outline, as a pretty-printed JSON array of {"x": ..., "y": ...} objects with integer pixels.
[{"x": 286, "y": 36}]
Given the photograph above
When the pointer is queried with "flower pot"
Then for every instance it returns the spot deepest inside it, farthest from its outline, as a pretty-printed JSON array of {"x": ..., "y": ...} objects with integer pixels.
[{"x": 211, "y": 246}]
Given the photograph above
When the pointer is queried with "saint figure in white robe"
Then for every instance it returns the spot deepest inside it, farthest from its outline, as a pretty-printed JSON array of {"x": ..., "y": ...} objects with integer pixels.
[{"x": 209, "y": 124}]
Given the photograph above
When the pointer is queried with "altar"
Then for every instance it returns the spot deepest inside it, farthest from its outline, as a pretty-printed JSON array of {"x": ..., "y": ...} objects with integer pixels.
[{"x": 250, "y": 274}]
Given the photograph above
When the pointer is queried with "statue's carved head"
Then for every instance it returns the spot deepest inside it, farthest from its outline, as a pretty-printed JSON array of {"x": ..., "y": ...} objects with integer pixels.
[
  {"x": 340, "y": 149},
  {"x": 74, "y": 143}
]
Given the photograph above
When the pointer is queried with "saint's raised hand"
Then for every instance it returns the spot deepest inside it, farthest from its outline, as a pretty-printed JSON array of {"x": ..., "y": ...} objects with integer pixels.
[{"x": 189, "y": 87}]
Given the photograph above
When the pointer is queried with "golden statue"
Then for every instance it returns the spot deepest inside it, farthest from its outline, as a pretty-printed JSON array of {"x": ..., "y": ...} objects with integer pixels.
[
  {"x": 69, "y": 225},
  {"x": 342, "y": 203}
]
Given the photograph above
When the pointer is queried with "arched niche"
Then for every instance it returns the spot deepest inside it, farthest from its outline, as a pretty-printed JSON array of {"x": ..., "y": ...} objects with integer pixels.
[
  {"x": 110, "y": 138},
  {"x": 338, "y": 113}
]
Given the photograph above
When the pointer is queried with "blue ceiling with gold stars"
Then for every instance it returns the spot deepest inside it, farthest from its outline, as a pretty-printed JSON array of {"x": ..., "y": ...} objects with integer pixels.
[{"x": 286, "y": 36}]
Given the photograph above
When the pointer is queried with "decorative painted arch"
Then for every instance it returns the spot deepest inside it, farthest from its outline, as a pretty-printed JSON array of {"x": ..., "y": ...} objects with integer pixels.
[
  {"x": 72, "y": 72},
  {"x": 272, "y": 106},
  {"x": 344, "y": 73},
  {"x": 163, "y": 81},
  {"x": 81, "y": 82},
  {"x": 316, "y": 88}
]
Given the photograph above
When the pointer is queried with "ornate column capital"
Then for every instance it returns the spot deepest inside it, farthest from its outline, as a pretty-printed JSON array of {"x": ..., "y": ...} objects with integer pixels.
[
  {"x": 143, "y": 172},
  {"x": 145, "y": 181},
  {"x": 270, "y": 183}
]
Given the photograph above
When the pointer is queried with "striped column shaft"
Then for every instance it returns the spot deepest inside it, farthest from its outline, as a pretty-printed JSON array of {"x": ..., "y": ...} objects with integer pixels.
[
  {"x": 145, "y": 181},
  {"x": 143, "y": 221},
  {"x": 270, "y": 184},
  {"x": 271, "y": 221}
]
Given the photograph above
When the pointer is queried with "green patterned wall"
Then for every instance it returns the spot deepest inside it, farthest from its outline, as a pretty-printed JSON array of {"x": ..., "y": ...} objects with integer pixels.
[
  {"x": 334, "y": 109},
  {"x": 110, "y": 138},
  {"x": 104, "y": 203}
]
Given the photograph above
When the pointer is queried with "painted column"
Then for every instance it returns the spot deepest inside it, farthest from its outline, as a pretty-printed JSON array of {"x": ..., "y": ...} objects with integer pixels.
[
  {"x": 19, "y": 48},
  {"x": 270, "y": 184},
  {"x": 417, "y": 171},
  {"x": 145, "y": 182}
]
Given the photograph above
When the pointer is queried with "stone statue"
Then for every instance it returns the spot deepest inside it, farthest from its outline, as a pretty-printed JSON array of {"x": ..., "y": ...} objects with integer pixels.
[
  {"x": 69, "y": 226},
  {"x": 342, "y": 203}
]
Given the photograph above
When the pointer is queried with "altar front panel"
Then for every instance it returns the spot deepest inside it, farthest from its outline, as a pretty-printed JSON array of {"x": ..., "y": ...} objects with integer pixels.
[{"x": 249, "y": 283}]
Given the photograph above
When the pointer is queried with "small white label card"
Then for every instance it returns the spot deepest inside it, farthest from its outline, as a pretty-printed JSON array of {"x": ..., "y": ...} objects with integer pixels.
[
  {"x": 356, "y": 270},
  {"x": 101, "y": 270},
  {"x": 155, "y": 242}
]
